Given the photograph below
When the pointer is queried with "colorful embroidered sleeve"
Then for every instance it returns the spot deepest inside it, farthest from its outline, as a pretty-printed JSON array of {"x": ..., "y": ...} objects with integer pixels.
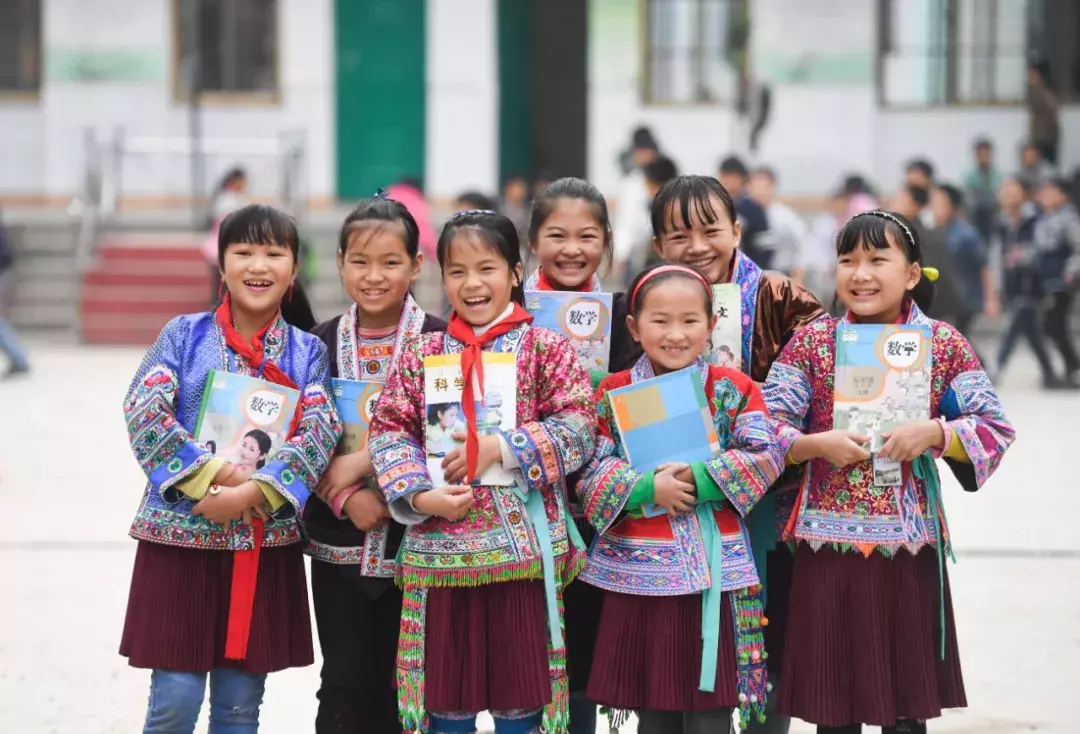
[
  {"x": 607, "y": 481},
  {"x": 972, "y": 411},
  {"x": 787, "y": 392},
  {"x": 549, "y": 449},
  {"x": 753, "y": 457},
  {"x": 164, "y": 449},
  {"x": 299, "y": 464},
  {"x": 396, "y": 436}
]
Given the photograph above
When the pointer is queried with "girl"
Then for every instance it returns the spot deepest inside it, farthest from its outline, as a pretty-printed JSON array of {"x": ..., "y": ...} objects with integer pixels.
[
  {"x": 483, "y": 567},
  {"x": 570, "y": 236},
  {"x": 871, "y": 639},
  {"x": 210, "y": 594},
  {"x": 663, "y": 647},
  {"x": 350, "y": 539},
  {"x": 253, "y": 450},
  {"x": 694, "y": 224}
]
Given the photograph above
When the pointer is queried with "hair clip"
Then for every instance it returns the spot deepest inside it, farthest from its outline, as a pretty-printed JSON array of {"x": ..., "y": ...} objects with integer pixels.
[
  {"x": 931, "y": 274},
  {"x": 380, "y": 195},
  {"x": 468, "y": 212}
]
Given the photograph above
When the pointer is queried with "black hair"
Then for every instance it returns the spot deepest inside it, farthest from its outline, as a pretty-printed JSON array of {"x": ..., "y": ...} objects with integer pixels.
[
  {"x": 766, "y": 171},
  {"x": 921, "y": 165},
  {"x": 495, "y": 231},
  {"x": 236, "y": 173},
  {"x": 855, "y": 184},
  {"x": 643, "y": 139},
  {"x": 1060, "y": 183},
  {"x": 434, "y": 409},
  {"x": 265, "y": 444},
  {"x": 733, "y": 164},
  {"x": 686, "y": 193},
  {"x": 258, "y": 224},
  {"x": 983, "y": 143},
  {"x": 211, "y": 446},
  {"x": 571, "y": 188},
  {"x": 919, "y": 194},
  {"x": 637, "y": 296},
  {"x": 1042, "y": 68},
  {"x": 955, "y": 195},
  {"x": 377, "y": 211},
  {"x": 476, "y": 200},
  {"x": 871, "y": 229},
  {"x": 725, "y": 348},
  {"x": 660, "y": 170}
]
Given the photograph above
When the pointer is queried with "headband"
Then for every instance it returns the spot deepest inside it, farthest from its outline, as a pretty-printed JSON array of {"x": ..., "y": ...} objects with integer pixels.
[
  {"x": 931, "y": 274},
  {"x": 667, "y": 269},
  {"x": 467, "y": 212}
]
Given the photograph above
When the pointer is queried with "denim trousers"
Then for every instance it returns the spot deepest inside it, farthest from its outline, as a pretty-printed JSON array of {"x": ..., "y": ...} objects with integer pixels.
[{"x": 176, "y": 698}]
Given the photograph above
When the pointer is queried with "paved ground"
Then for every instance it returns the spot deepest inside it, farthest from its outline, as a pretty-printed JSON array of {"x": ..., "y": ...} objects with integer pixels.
[{"x": 68, "y": 487}]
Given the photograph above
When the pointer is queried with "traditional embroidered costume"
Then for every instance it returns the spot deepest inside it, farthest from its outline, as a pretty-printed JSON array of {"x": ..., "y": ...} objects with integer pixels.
[
  {"x": 870, "y": 636},
  {"x": 204, "y": 595},
  {"x": 682, "y": 622},
  {"x": 480, "y": 627},
  {"x": 357, "y": 605}
]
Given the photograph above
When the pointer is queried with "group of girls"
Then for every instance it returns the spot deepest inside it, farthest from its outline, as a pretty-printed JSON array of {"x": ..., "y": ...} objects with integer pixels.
[{"x": 540, "y": 601}]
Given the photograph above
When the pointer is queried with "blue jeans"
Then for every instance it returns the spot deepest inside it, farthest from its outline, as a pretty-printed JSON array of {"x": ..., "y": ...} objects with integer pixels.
[
  {"x": 9, "y": 345},
  {"x": 176, "y": 698},
  {"x": 517, "y": 722}
]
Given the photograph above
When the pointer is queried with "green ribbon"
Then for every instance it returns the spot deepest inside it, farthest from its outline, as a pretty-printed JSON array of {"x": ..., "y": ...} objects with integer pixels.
[
  {"x": 923, "y": 467},
  {"x": 534, "y": 508},
  {"x": 712, "y": 596},
  {"x": 762, "y": 522}
]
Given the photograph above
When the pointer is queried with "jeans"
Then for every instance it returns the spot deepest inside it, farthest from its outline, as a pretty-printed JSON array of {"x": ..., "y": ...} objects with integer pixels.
[
  {"x": 1024, "y": 321},
  {"x": 176, "y": 698},
  {"x": 9, "y": 345},
  {"x": 506, "y": 722}
]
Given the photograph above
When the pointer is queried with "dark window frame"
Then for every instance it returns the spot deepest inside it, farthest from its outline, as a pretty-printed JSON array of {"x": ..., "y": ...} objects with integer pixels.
[{"x": 29, "y": 42}]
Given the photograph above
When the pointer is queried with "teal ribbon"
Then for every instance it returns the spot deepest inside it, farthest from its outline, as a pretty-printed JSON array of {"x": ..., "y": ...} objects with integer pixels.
[
  {"x": 712, "y": 596},
  {"x": 762, "y": 522},
  {"x": 923, "y": 467},
  {"x": 534, "y": 508}
]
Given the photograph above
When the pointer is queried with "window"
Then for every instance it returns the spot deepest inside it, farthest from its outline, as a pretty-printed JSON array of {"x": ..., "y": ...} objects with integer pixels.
[
  {"x": 945, "y": 52},
  {"x": 227, "y": 48},
  {"x": 1054, "y": 39},
  {"x": 20, "y": 46},
  {"x": 695, "y": 51}
]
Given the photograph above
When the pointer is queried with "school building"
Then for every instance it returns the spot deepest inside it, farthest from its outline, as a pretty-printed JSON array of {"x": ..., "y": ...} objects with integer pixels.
[{"x": 349, "y": 95}]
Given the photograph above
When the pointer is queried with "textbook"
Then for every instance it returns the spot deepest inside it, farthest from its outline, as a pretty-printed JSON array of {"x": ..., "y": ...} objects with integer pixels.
[
  {"x": 355, "y": 401},
  {"x": 664, "y": 419},
  {"x": 583, "y": 318},
  {"x": 725, "y": 343}
]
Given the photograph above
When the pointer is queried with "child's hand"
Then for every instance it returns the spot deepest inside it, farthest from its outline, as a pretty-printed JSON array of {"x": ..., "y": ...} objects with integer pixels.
[
  {"x": 225, "y": 504},
  {"x": 911, "y": 440},
  {"x": 367, "y": 509},
  {"x": 488, "y": 454},
  {"x": 231, "y": 475},
  {"x": 450, "y": 502},
  {"x": 671, "y": 493},
  {"x": 344, "y": 471},
  {"x": 841, "y": 448}
]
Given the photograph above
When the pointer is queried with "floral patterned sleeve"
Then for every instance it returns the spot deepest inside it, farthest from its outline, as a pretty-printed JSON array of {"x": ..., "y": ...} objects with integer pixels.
[
  {"x": 607, "y": 480},
  {"x": 787, "y": 392}
]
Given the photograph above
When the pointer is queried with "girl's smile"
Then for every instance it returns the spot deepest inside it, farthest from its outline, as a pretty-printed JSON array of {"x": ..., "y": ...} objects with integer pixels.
[{"x": 570, "y": 243}]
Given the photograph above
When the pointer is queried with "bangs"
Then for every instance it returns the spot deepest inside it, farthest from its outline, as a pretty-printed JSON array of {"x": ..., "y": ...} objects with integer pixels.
[
  {"x": 257, "y": 224},
  {"x": 866, "y": 232},
  {"x": 474, "y": 236},
  {"x": 690, "y": 205},
  {"x": 689, "y": 197}
]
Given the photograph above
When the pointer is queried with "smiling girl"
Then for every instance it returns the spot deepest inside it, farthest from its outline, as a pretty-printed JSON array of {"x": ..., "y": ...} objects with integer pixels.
[
  {"x": 351, "y": 540},
  {"x": 871, "y": 638},
  {"x": 211, "y": 595},
  {"x": 483, "y": 567}
]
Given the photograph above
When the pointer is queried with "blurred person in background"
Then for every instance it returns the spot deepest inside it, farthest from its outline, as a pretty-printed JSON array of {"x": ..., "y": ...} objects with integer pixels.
[
  {"x": 474, "y": 201},
  {"x": 541, "y": 182},
  {"x": 912, "y": 202},
  {"x": 18, "y": 363},
  {"x": 981, "y": 188},
  {"x": 819, "y": 256},
  {"x": 514, "y": 203},
  {"x": 969, "y": 258},
  {"x": 1044, "y": 128},
  {"x": 1022, "y": 282},
  {"x": 787, "y": 230},
  {"x": 1057, "y": 251},
  {"x": 229, "y": 195},
  {"x": 734, "y": 176},
  {"x": 640, "y": 254},
  {"x": 410, "y": 192},
  {"x": 920, "y": 172},
  {"x": 631, "y": 226},
  {"x": 860, "y": 197},
  {"x": 1034, "y": 169}
]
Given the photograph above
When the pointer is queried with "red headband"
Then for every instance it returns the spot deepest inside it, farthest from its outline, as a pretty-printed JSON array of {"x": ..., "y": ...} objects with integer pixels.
[{"x": 668, "y": 269}]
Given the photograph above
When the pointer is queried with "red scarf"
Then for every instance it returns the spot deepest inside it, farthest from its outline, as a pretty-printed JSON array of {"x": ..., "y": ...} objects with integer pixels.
[
  {"x": 543, "y": 284},
  {"x": 470, "y": 361},
  {"x": 246, "y": 562}
]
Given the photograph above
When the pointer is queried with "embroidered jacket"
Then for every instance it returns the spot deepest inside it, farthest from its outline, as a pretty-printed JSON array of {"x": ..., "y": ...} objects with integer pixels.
[
  {"x": 665, "y": 556},
  {"x": 162, "y": 407},
  {"x": 339, "y": 541},
  {"x": 840, "y": 506},
  {"x": 495, "y": 540}
]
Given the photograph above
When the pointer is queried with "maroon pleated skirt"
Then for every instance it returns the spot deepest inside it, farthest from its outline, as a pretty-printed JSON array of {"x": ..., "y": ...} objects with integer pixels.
[
  {"x": 863, "y": 640},
  {"x": 485, "y": 648},
  {"x": 648, "y": 655},
  {"x": 178, "y": 611}
]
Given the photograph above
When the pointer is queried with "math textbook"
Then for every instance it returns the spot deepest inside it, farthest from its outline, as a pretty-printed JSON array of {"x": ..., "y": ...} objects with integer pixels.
[
  {"x": 583, "y": 318},
  {"x": 355, "y": 401}
]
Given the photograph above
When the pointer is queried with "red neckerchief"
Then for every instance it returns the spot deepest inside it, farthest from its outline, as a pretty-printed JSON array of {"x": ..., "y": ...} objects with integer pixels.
[
  {"x": 543, "y": 284},
  {"x": 245, "y": 571},
  {"x": 470, "y": 361}
]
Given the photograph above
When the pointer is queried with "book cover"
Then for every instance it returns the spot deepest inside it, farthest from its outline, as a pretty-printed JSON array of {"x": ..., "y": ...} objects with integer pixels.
[
  {"x": 445, "y": 422},
  {"x": 725, "y": 344},
  {"x": 882, "y": 381},
  {"x": 244, "y": 419},
  {"x": 355, "y": 401},
  {"x": 664, "y": 419},
  {"x": 584, "y": 318}
]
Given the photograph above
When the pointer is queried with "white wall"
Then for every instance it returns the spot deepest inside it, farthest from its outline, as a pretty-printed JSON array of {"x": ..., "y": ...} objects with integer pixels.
[
  {"x": 462, "y": 97},
  {"x": 42, "y": 146}
]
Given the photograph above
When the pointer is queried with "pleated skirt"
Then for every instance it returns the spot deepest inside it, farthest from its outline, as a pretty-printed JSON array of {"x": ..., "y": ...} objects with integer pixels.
[
  {"x": 486, "y": 648},
  {"x": 648, "y": 655},
  {"x": 863, "y": 640},
  {"x": 178, "y": 611}
]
